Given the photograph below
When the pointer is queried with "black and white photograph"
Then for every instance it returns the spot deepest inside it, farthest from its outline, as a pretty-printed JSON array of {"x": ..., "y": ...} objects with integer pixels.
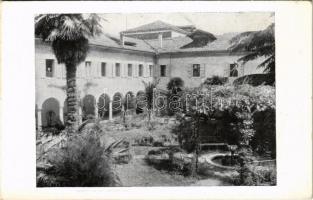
[{"x": 155, "y": 99}]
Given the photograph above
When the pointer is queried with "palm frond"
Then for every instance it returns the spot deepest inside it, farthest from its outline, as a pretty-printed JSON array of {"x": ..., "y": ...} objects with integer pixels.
[
  {"x": 66, "y": 26},
  {"x": 256, "y": 44}
]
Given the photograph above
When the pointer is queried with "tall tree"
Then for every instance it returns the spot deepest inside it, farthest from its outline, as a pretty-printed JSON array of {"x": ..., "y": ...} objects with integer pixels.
[
  {"x": 258, "y": 44},
  {"x": 68, "y": 34}
]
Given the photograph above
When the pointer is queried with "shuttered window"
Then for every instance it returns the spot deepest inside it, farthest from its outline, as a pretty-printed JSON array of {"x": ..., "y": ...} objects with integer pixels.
[
  {"x": 233, "y": 70},
  {"x": 49, "y": 67},
  {"x": 130, "y": 70},
  {"x": 103, "y": 69},
  {"x": 117, "y": 69},
  {"x": 163, "y": 70},
  {"x": 88, "y": 68},
  {"x": 150, "y": 70},
  {"x": 140, "y": 72},
  {"x": 196, "y": 70}
]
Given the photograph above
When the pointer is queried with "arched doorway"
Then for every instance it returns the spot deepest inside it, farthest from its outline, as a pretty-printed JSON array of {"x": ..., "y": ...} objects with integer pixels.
[
  {"x": 88, "y": 106},
  {"x": 103, "y": 106},
  {"x": 50, "y": 114},
  {"x": 141, "y": 102},
  {"x": 129, "y": 101},
  {"x": 117, "y": 103}
]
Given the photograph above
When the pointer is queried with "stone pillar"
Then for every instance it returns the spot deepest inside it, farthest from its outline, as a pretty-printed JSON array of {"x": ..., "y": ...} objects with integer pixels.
[
  {"x": 96, "y": 110},
  {"x": 39, "y": 121},
  {"x": 110, "y": 110},
  {"x": 61, "y": 114}
]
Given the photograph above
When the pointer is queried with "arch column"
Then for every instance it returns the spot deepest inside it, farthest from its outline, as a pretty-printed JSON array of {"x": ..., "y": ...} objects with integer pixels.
[
  {"x": 96, "y": 109},
  {"x": 39, "y": 120},
  {"x": 110, "y": 110},
  {"x": 61, "y": 114}
]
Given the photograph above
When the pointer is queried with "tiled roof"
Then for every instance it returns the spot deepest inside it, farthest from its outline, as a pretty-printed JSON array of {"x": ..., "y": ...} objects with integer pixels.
[
  {"x": 169, "y": 45},
  {"x": 111, "y": 41},
  {"x": 174, "y": 44},
  {"x": 155, "y": 26}
]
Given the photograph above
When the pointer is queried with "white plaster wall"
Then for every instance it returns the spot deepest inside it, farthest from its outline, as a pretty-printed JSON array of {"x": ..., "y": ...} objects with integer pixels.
[
  {"x": 180, "y": 65},
  {"x": 51, "y": 87}
]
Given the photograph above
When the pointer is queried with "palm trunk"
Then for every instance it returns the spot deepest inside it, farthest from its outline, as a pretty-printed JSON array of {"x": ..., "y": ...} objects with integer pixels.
[{"x": 72, "y": 102}]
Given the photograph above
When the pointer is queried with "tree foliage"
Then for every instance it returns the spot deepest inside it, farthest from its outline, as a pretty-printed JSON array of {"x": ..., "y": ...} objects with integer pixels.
[
  {"x": 175, "y": 85},
  {"x": 258, "y": 44},
  {"x": 68, "y": 35}
]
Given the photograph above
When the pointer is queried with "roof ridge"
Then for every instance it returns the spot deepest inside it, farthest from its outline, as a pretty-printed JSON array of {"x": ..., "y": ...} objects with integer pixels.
[{"x": 146, "y": 28}]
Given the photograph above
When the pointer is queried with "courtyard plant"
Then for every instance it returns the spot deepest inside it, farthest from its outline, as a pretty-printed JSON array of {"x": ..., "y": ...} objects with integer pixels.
[
  {"x": 237, "y": 113},
  {"x": 82, "y": 160},
  {"x": 68, "y": 35},
  {"x": 257, "y": 44}
]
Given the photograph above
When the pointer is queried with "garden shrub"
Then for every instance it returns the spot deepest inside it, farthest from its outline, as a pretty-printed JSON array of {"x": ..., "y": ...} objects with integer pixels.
[
  {"x": 256, "y": 79},
  {"x": 241, "y": 115},
  {"x": 264, "y": 141},
  {"x": 175, "y": 85},
  {"x": 81, "y": 162},
  {"x": 255, "y": 176},
  {"x": 216, "y": 80}
]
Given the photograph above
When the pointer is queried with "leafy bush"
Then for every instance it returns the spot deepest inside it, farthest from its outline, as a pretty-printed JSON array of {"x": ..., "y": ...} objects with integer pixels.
[
  {"x": 255, "y": 176},
  {"x": 256, "y": 79},
  {"x": 264, "y": 140},
  {"x": 242, "y": 115},
  {"x": 175, "y": 85},
  {"x": 216, "y": 80},
  {"x": 81, "y": 162}
]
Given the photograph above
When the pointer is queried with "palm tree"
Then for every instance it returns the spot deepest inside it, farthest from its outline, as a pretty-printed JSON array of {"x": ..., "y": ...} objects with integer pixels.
[
  {"x": 258, "y": 44},
  {"x": 68, "y": 34}
]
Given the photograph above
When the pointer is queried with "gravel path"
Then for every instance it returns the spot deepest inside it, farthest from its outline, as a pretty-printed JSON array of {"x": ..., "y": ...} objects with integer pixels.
[{"x": 138, "y": 173}]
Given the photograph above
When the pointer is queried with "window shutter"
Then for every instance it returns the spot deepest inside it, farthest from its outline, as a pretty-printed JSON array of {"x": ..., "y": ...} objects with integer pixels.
[
  {"x": 97, "y": 69},
  {"x": 113, "y": 70},
  {"x": 145, "y": 70},
  {"x": 202, "y": 70},
  {"x": 56, "y": 70},
  {"x": 189, "y": 70},
  {"x": 168, "y": 71},
  {"x": 159, "y": 70},
  {"x": 93, "y": 69},
  {"x": 124, "y": 69},
  {"x": 135, "y": 73}
]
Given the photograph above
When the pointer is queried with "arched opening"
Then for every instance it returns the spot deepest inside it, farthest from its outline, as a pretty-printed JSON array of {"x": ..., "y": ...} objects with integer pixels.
[
  {"x": 50, "y": 113},
  {"x": 103, "y": 106},
  {"x": 88, "y": 107},
  {"x": 117, "y": 103},
  {"x": 129, "y": 101},
  {"x": 141, "y": 102}
]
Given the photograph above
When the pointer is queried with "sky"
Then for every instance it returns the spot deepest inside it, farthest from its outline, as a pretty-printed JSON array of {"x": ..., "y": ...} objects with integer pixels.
[{"x": 215, "y": 23}]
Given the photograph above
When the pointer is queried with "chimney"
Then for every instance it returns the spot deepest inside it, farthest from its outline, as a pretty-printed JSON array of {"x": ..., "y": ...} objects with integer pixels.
[
  {"x": 122, "y": 38},
  {"x": 161, "y": 40}
]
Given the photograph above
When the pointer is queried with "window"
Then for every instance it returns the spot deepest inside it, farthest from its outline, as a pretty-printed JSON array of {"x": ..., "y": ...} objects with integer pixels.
[
  {"x": 88, "y": 68},
  {"x": 150, "y": 70},
  {"x": 233, "y": 70},
  {"x": 140, "y": 72},
  {"x": 49, "y": 67},
  {"x": 196, "y": 70},
  {"x": 163, "y": 70},
  {"x": 130, "y": 70},
  {"x": 103, "y": 69},
  {"x": 117, "y": 69}
]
